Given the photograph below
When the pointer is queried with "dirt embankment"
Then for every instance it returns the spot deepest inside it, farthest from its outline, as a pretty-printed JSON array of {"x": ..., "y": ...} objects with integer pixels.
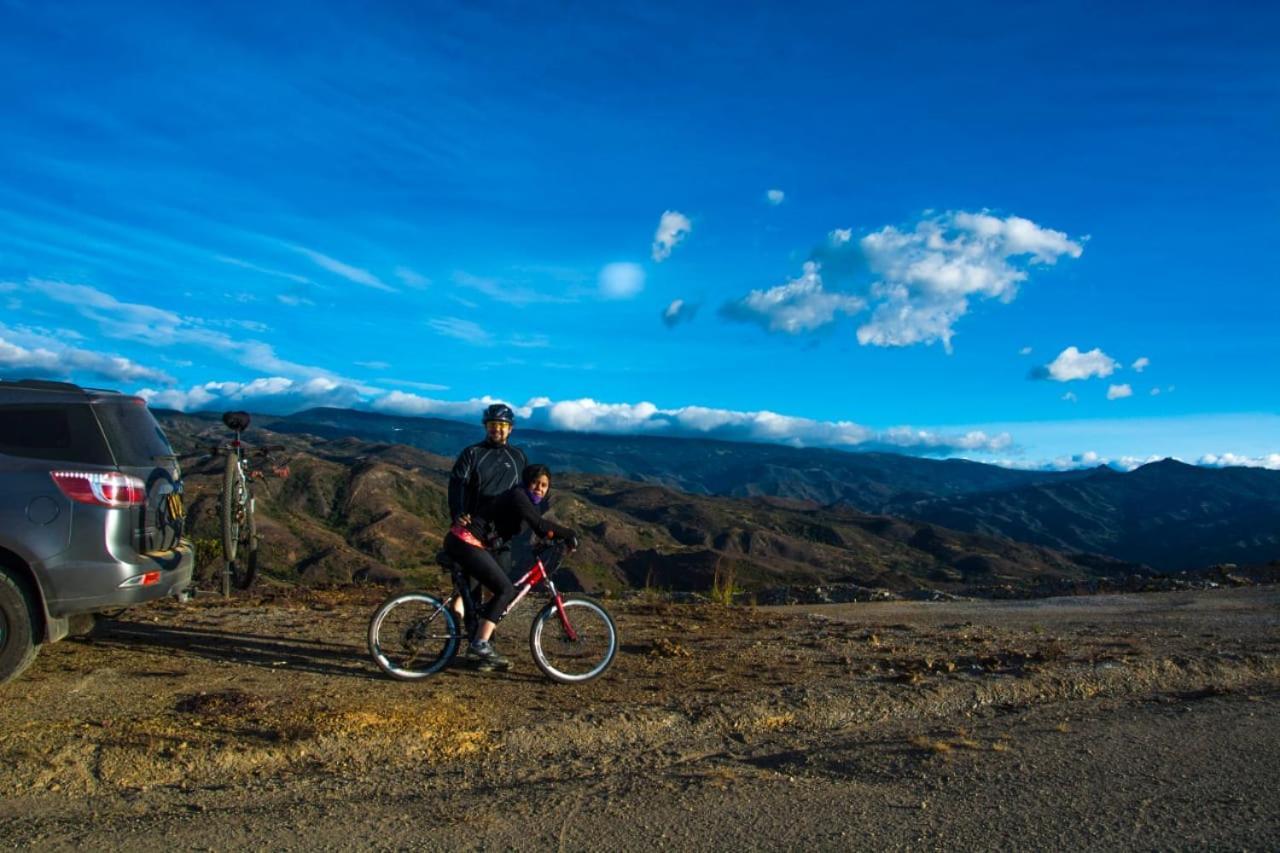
[{"x": 1109, "y": 721}]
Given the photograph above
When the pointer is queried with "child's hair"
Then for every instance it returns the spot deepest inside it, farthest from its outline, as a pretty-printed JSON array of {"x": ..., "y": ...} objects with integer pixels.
[{"x": 533, "y": 472}]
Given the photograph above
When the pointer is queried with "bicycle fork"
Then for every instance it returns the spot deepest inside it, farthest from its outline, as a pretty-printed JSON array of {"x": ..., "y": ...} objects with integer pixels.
[{"x": 538, "y": 574}]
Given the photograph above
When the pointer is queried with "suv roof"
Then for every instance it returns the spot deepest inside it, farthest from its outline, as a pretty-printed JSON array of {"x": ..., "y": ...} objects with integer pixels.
[{"x": 46, "y": 390}]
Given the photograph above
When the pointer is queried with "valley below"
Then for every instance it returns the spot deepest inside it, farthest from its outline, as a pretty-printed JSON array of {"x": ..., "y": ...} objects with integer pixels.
[{"x": 1110, "y": 721}]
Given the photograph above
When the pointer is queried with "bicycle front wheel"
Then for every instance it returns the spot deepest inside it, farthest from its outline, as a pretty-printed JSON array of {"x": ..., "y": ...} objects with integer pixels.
[
  {"x": 234, "y": 497},
  {"x": 578, "y": 648},
  {"x": 413, "y": 635}
]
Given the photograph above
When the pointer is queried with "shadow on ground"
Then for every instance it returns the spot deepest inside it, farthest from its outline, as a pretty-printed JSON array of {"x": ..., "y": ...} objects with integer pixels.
[{"x": 322, "y": 658}]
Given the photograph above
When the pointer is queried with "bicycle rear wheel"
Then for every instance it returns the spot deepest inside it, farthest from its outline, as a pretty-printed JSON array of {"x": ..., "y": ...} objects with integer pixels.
[
  {"x": 582, "y": 657},
  {"x": 234, "y": 496},
  {"x": 413, "y": 635},
  {"x": 244, "y": 568}
]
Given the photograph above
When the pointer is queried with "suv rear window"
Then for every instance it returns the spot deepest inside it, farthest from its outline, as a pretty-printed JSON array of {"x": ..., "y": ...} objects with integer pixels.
[
  {"x": 63, "y": 432},
  {"x": 135, "y": 437}
]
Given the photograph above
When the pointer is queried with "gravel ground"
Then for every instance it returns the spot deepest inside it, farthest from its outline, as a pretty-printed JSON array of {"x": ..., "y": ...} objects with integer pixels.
[{"x": 1122, "y": 722}]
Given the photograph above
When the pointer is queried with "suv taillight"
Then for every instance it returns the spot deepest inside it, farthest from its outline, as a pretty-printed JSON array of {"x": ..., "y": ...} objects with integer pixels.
[{"x": 111, "y": 489}]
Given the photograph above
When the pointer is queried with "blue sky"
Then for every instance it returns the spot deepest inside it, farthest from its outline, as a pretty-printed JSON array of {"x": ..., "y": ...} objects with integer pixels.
[{"x": 1038, "y": 236}]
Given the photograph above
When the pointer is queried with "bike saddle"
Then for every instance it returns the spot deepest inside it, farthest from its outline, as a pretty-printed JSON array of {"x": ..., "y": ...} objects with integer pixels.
[{"x": 237, "y": 421}]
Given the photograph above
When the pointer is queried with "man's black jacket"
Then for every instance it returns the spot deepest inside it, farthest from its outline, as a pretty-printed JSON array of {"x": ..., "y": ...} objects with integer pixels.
[{"x": 483, "y": 471}]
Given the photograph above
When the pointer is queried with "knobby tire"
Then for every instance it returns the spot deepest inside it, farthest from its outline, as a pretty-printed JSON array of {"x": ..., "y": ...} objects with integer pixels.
[
  {"x": 233, "y": 494},
  {"x": 244, "y": 568}
]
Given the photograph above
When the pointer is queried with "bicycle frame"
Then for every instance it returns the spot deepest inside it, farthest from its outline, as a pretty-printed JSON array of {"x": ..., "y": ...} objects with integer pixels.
[{"x": 536, "y": 575}]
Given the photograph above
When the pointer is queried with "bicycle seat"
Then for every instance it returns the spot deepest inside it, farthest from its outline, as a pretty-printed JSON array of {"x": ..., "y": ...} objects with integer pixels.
[{"x": 237, "y": 421}]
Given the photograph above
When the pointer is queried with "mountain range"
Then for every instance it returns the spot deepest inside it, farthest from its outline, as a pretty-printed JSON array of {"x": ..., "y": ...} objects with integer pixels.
[
  {"x": 367, "y": 501},
  {"x": 1168, "y": 515},
  {"x": 355, "y": 510}
]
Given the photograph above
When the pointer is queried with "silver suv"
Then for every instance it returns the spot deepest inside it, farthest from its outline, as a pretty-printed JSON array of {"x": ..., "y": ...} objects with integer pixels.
[{"x": 91, "y": 514}]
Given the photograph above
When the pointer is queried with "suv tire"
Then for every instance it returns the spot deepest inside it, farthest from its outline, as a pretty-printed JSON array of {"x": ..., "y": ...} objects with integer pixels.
[{"x": 17, "y": 626}]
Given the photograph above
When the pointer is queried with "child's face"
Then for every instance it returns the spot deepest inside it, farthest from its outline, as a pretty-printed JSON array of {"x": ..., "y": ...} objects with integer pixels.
[{"x": 540, "y": 486}]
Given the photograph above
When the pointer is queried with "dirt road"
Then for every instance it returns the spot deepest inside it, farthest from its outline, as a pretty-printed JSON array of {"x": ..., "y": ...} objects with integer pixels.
[{"x": 1106, "y": 722}]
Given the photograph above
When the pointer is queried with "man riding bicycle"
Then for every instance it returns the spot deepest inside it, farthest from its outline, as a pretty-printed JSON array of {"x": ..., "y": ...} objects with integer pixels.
[{"x": 474, "y": 544}]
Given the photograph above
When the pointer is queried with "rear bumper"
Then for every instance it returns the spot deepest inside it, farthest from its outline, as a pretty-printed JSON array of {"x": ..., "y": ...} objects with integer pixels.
[{"x": 108, "y": 584}]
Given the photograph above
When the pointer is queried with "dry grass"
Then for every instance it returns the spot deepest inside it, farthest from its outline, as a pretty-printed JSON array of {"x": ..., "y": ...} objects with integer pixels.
[
  {"x": 221, "y": 737},
  {"x": 723, "y": 583}
]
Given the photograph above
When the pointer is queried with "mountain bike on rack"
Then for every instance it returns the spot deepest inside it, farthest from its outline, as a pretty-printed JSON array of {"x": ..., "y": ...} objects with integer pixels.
[
  {"x": 236, "y": 504},
  {"x": 415, "y": 634}
]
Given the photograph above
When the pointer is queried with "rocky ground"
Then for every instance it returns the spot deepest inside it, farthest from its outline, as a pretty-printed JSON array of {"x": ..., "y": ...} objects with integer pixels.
[{"x": 1122, "y": 721}]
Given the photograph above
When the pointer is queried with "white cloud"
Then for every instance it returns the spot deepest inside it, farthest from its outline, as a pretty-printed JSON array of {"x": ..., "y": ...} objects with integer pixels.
[
  {"x": 1091, "y": 459},
  {"x": 1270, "y": 461},
  {"x": 463, "y": 330},
  {"x": 1071, "y": 364},
  {"x": 800, "y": 305},
  {"x": 775, "y": 197},
  {"x": 1070, "y": 397},
  {"x": 157, "y": 327},
  {"x": 401, "y": 403},
  {"x": 530, "y": 341},
  {"x": 1118, "y": 392},
  {"x": 1025, "y": 351},
  {"x": 412, "y": 278},
  {"x": 972, "y": 440},
  {"x": 119, "y": 319},
  {"x": 929, "y": 274},
  {"x": 350, "y": 273},
  {"x": 293, "y": 301},
  {"x": 275, "y": 394},
  {"x": 1141, "y": 364},
  {"x": 840, "y": 236},
  {"x": 589, "y": 415},
  {"x": 678, "y": 312},
  {"x": 500, "y": 291},
  {"x": 673, "y": 227},
  {"x": 421, "y": 386},
  {"x": 1155, "y": 392},
  {"x": 236, "y": 262},
  {"x": 59, "y": 361},
  {"x": 373, "y": 365},
  {"x": 621, "y": 280}
]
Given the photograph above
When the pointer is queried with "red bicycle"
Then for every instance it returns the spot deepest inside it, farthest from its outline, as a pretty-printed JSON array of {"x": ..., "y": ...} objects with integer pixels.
[{"x": 415, "y": 634}]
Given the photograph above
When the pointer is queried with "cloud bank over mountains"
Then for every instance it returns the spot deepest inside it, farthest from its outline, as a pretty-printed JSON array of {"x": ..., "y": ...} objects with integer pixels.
[{"x": 281, "y": 395}]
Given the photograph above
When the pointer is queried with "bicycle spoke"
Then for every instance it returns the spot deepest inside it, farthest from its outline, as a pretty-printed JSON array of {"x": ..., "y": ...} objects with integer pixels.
[
  {"x": 412, "y": 636},
  {"x": 578, "y": 657}
]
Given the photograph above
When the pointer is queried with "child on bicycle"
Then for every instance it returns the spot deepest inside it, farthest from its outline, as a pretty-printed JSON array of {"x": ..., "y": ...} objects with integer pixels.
[{"x": 492, "y": 525}]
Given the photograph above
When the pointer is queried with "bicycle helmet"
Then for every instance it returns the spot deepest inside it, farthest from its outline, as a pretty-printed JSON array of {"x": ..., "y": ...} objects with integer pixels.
[{"x": 498, "y": 412}]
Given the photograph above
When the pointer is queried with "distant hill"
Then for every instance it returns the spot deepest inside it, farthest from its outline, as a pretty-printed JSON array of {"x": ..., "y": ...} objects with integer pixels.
[
  {"x": 355, "y": 510},
  {"x": 1166, "y": 515},
  {"x": 867, "y": 481}
]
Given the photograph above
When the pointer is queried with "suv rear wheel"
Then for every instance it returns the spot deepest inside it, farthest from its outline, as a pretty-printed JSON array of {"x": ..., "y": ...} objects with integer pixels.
[{"x": 17, "y": 626}]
